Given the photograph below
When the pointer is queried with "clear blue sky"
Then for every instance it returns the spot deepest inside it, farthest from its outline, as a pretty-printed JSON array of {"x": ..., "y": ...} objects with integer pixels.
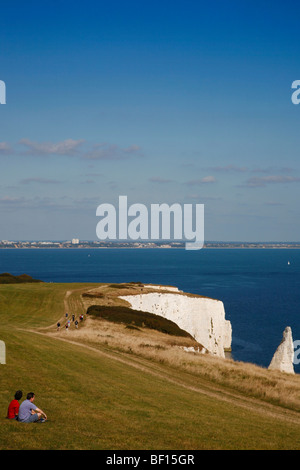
[{"x": 170, "y": 101}]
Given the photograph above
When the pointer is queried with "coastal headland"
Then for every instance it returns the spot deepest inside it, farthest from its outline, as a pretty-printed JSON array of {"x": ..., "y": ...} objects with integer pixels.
[{"x": 114, "y": 383}]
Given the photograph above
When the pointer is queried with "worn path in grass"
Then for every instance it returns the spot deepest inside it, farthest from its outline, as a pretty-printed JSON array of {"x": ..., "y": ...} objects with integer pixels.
[
  {"x": 98, "y": 398},
  {"x": 192, "y": 383},
  {"x": 74, "y": 304}
]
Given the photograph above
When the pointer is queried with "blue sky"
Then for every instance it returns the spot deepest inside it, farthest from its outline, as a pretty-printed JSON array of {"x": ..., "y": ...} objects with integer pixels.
[{"x": 185, "y": 102}]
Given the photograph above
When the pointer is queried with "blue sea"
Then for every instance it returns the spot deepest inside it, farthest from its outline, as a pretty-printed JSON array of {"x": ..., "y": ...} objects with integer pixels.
[{"x": 259, "y": 289}]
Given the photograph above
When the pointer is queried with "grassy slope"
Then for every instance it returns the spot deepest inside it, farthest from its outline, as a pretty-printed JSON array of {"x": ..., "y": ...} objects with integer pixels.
[{"x": 96, "y": 402}]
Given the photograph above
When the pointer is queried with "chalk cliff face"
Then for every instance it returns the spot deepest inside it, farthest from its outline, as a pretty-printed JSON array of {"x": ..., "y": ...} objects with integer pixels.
[
  {"x": 203, "y": 318},
  {"x": 284, "y": 355}
]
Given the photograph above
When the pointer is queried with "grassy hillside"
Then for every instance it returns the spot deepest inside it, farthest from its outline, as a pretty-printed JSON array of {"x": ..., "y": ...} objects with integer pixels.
[{"x": 99, "y": 396}]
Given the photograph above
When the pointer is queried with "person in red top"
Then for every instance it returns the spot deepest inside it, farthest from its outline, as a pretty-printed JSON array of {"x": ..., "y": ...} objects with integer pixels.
[{"x": 13, "y": 409}]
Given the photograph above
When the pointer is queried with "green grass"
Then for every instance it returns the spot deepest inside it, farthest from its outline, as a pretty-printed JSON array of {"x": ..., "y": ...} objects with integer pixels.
[
  {"x": 33, "y": 305},
  {"x": 96, "y": 402}
]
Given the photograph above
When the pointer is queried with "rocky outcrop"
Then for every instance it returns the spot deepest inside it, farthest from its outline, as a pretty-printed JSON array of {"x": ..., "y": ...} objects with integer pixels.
[
  {"x": 193, "y": 350},
  {"x": 284, "y": 355},
  {"x": 159, "y": 287},
  {"x": 202, "y": 317}
]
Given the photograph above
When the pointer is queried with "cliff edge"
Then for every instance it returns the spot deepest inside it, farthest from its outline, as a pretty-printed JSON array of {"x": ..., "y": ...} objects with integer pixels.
[{"x": 202, "y": 317}]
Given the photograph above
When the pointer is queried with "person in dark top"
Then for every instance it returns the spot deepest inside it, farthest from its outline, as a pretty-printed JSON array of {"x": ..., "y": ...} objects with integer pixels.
[{"x": 13, "y": 408}]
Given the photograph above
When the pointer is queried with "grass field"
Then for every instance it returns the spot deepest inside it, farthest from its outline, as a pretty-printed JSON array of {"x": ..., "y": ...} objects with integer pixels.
[{"x": 101, "y": 394}]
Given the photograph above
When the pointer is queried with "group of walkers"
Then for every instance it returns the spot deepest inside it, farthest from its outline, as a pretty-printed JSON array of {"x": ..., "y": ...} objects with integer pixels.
[
  {"x": 27, "y": 412},
  {"x": 68, "y": 323}
]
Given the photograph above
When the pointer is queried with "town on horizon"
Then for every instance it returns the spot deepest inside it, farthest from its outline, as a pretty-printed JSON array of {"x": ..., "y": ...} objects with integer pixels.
[{"x": 75, "y": 243}]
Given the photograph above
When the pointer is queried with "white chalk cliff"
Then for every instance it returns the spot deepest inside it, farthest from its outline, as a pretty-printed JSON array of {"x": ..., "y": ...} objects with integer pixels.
[
  {"x": 202, "y": 317},
  {"x": 284, "y": 355}
]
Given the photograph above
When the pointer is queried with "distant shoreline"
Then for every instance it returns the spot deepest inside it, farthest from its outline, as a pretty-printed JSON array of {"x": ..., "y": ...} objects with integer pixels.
[{"x": 220, "y": 247}]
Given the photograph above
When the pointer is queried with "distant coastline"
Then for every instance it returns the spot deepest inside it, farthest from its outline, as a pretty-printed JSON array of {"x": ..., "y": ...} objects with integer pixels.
[{"x": 7, "y": 244}]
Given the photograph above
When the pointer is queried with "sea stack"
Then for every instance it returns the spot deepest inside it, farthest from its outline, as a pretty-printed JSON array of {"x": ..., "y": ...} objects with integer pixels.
[{"x": 284, "y": 355}]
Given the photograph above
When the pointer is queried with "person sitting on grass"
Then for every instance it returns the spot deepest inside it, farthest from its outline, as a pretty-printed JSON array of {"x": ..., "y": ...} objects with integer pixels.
[
  {"x": 29, "y": 412},
  {"x": 13, "y": 408}
]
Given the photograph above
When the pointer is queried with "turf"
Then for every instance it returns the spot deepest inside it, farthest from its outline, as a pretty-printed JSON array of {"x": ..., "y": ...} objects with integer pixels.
[{"x": 96, "y": 401}]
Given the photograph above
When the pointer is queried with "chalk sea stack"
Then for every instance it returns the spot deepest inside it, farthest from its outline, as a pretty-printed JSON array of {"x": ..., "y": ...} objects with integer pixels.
[{"x": 284, "y": 355}]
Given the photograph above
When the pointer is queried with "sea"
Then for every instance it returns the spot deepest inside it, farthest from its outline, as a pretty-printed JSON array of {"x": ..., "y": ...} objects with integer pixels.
[{"x": 260, "y": 288}]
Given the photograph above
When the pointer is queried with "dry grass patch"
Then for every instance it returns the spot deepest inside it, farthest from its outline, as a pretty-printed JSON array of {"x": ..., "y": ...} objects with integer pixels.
[
  {"x": 253, "y": 381},
  {"x": 118, "y": 336},
  {"x": 130, "y": 317}
]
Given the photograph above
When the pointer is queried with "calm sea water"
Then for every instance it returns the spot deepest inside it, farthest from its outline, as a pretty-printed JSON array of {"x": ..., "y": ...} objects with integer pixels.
[{"x": 260, "y": 291}]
